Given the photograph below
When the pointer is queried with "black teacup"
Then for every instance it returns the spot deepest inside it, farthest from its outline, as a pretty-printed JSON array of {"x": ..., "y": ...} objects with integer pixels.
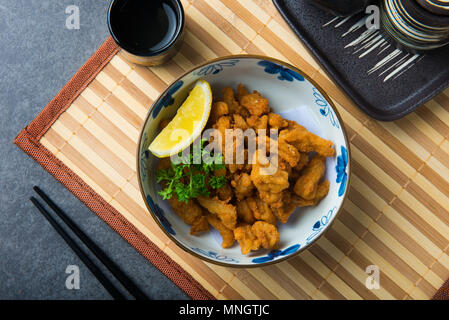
[{"x": 148, "y": 31}]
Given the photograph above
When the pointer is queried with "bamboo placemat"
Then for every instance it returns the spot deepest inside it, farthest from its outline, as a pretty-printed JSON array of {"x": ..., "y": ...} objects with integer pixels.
[{"x": 396, "y": 216}]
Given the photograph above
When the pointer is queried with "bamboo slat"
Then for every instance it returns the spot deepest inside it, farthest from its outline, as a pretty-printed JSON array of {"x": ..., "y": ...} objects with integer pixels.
[{"x": 396, "y": 216}]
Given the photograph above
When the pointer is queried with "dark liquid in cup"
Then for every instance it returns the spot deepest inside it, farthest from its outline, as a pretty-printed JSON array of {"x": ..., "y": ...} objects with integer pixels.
[{"x": 145, "y": 25}]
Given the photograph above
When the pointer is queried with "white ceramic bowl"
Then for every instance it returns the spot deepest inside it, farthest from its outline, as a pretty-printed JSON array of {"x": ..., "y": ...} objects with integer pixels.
[{"x": 293, "y": 95}]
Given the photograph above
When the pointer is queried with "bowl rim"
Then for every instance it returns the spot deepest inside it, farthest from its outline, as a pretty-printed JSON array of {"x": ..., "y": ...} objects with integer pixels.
[{"x": 345, "y": 136}]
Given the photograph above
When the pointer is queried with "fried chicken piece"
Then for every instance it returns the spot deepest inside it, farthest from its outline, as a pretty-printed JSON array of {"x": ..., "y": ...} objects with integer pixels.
[
  {"x": 264, "y": 181},
  {"x": 244, "y": 212},
  {"x": 255, "y": 104},
  {"x": 272, "y": 199},
  {"x": 306, "y": 141},
  {"x": 229, "y": 149},
  {"x": 321, "y": 192},
  {"x": 257, "y": 122},
  {"x": 285, "y": 150},
  {"x": 228, "y": 97},
  {"x": 261, "y": 210},
  {"x": 284, "y": 165},
  {"x": 218, "y": 110},
  {"x": 237, "y": 160},
  {"x": 288, "y": 153},
  {"x": 243, "y": 186},
  {"x": 267, "y": 234},
  {"x": 221, "y": 125},
  {"x": 226, "y": 234},
  {"x": 239, "y": 122},
  {"x": 234, "y": 106},
  {"x": 276, "y": 121},
  {"x": 270, "y": 187},
  {"x": 241, "y": 92},
  {"x": 303, "y": 161},
  {"x": 296, "y": 170},
  {"x": 307, "y": 183},
  {"x": 247, "y": 239},
  {"x": 200, "y": 225},
  {"x": 260, "y": 235},
  {"x": 189, "y": 212},
  {"x": 224, "y": 211},
  {"x": 284, "y": 208},
  {"x": 225, "y": 193}
]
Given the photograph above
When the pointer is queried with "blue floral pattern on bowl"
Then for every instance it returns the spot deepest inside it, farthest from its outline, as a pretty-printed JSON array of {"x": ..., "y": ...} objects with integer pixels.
[
  {"x": 216, "y": 67},
  {"x": 320, "y": 224},
  {"x": 325, "y": 108},
  {"x": 277, "y": 253},
  {"x": 167, "y": 99},
  {"x": 161, "y": 215},
  {"x": 144, "y": 155},
  {"x": 284, "y": 73},
  {"x": 214, "y": 255},
  {"x": 342, "y": 176}
]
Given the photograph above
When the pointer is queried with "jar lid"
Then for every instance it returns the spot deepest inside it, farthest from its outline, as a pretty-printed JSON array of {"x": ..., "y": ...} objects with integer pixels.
[
  {"x": 440, "y": 7},
  {"x": 420, "y": 17}
]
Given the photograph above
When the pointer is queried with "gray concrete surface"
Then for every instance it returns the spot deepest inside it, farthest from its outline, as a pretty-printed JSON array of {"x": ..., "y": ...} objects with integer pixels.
[{"x": 38, "y": 56}]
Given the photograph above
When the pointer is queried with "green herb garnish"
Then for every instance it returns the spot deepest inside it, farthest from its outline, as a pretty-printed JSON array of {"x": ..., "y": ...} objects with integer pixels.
[{"x": 192, "y": 177}]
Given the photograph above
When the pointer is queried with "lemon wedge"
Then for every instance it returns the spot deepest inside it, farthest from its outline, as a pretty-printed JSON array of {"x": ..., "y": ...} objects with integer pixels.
[{"x": 187, "y": 124}]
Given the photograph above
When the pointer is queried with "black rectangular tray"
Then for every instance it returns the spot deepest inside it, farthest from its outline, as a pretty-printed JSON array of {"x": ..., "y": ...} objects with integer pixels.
[{"x": 386, "y": 92}]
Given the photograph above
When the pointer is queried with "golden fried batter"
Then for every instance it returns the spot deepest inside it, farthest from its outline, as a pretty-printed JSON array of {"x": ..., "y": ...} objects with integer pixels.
[
  {"x": 221, "y": 125},
  {"x": 191, "y": 213},
  {"x": 234, "y": 106},
  {"x": 224, "y": 211},
  {"x": 276, "y": 121},
  {"x": 243, "y": 185},
  {"x": 260, "y": 235},
  {"x": 228, "y": 97},
  {"x": 226, "y": 234},
  {"x": 244, "y": 212},
  {"x": 307, "y": 183},
  {"x": 303, "y": 161},
  {"x": 225, "y": 193},
  {"x": 247, "y": 239},
  {"x": 321, "y": 192},
  {"x": 239, "y": 122},
  {"x": 273, "y": 183},
  {"x": 258, "y": 123},
  {"x": 255, "y": 104},
  {"x": 200, "y": 225},
  {"x": 218, "y": 110},
  {"x": 306, "y": 141},
  {"x": 241, "y": 92},
  {"x": 284, "y": 208},
  {"x": 273, "y": 199},
  {"x": 286, "y": 151},
  {"x": 261, "y": 210},
  {"x": 267, "y": 234}
]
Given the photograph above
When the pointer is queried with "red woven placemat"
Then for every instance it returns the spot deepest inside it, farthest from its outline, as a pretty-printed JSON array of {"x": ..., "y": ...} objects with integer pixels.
[{"x": 28, "y": 141}]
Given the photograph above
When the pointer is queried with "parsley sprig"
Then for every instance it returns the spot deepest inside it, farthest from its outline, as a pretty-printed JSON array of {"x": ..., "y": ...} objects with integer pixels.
[{"x": 193, "y": 176}]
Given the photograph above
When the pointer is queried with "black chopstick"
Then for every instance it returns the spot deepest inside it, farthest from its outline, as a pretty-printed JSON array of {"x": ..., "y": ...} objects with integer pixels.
[
  {"x": 110, "y": 265},
  {"x": 107, "y": 284}
]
